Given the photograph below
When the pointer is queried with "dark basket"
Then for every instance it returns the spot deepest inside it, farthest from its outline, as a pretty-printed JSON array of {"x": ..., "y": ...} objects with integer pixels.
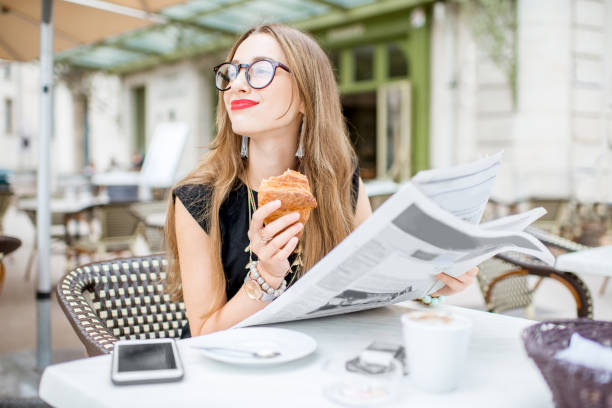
[{"x": 572, "y": 385}]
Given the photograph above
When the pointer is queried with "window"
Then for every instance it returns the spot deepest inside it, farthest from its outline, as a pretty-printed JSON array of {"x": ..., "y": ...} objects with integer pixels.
[
  {"x": 398, "y": 66},
  {"x": 8, "y": 116},
  {"x": 364, "y": 63}
]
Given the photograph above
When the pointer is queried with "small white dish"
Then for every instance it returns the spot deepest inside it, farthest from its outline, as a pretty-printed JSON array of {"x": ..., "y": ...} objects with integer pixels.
[{"x": 291, "y": 345}]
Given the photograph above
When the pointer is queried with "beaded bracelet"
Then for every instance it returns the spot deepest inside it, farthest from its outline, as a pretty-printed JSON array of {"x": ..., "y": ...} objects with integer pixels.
[
  {"x": 263, "y": 284},
  {"x": 431, "y": 300}
]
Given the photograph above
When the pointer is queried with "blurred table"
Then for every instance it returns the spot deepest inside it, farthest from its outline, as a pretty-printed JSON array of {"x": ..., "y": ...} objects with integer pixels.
[
  {"x": 379, "y": 190},
  {"x": 498, "y": 371},
  {"x": 63, "y": 205},
  {"x": 597, "y": 261},
  {"x": 62, "y": 210},
  {"x": 67, "y": 208},
  {"x": 157, "y": 220},
  {"x": 380, "y": 187},
  {"x": 151, "y": 213}
]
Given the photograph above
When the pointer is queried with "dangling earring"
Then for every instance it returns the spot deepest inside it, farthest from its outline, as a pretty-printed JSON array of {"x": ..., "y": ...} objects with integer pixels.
[
  {"x": 244, "y": 149},
  {"x": 300, "y": 151}
]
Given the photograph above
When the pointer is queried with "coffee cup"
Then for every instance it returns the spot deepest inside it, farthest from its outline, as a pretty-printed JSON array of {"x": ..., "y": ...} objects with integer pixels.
[{"x": 436, "y": 348}]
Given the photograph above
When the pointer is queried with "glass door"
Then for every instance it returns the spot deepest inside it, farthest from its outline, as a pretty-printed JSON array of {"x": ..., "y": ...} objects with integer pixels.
[
  {"x": 140, "y": 123},
  {"x": 81, "y": 114},
  {"x": 359, "y": 109},
  {"x": 393, "y": 149}
]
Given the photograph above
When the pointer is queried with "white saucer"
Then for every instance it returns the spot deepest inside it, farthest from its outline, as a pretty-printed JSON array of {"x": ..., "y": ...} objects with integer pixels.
[{"x": 292, "y": 345}]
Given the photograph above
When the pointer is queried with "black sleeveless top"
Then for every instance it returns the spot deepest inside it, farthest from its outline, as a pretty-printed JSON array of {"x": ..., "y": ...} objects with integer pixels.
[{"x": 234, "y": 225}]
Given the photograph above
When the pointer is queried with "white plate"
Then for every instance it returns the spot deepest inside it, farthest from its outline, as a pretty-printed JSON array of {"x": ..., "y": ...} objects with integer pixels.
[{"x": 291, "y": 344}]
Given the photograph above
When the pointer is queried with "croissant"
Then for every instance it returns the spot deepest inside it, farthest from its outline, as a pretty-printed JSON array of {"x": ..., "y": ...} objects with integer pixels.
[{"x": 293, "y": 190}]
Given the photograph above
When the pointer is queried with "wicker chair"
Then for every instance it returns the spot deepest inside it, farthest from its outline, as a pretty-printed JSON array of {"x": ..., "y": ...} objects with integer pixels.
[
  {"x": 153, "y": 235},
  {"x": 120, "y": 230},
  {"x": 504, "y": 284},
  {"x": 120, "y": 299}
]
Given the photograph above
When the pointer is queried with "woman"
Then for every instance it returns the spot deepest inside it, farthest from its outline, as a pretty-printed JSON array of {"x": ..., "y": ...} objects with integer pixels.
[{"x": 278, "y": 109}]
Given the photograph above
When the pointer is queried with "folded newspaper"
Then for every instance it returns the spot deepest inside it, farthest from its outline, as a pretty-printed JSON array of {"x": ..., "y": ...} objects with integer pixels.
[{"x": 430, "y": 225}]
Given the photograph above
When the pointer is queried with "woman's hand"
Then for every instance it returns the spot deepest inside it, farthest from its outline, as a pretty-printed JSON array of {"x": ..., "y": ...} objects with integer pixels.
[
  {"x": 454, "y": 285},
  {"x": 274, "y": 243}
]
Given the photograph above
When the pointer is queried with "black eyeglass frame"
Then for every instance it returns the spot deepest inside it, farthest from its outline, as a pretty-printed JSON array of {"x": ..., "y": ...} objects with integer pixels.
[{"x": 275, "y": 64}]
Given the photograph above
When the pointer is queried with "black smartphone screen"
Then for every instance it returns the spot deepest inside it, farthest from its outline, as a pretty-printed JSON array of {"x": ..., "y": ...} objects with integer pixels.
[{"x": 145, "y": 357}]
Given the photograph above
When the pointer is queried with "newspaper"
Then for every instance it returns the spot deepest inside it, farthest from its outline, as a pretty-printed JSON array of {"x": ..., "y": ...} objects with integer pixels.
[
  {"x": 430, "y": 225},
  {"x": 461, "y": 190}
]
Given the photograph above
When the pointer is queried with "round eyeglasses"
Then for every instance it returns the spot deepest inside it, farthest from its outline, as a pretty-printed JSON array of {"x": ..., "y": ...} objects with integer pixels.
[{"x": 259, "y": 73}]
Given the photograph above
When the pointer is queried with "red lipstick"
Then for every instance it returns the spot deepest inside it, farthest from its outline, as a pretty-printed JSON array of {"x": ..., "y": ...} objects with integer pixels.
[{"x": 242, "y": 104}]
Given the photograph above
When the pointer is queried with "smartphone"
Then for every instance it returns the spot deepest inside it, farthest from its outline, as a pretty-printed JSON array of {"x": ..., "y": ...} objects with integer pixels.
[
  {"x": 146, "y": 361},
  {"x": 375, "y": 359}
]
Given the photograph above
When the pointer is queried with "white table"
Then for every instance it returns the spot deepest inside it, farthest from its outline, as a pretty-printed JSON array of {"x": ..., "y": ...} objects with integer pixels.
[
  {"x": 156, "y": 220},
  {"x": 381, "y": 187},
  {"x": 63, "y": 205},
  {"x": 498, "y": 374},
  {"x": 596, "y": 261}
]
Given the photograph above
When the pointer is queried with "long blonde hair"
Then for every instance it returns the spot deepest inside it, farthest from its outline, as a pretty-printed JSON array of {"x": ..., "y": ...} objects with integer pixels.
[{"x": 328, "y": 162}]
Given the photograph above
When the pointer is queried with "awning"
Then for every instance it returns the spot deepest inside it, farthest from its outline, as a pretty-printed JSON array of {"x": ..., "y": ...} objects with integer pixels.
[
  {"x": 200, "y": 27},
  {"x": 75, "y": 25}
]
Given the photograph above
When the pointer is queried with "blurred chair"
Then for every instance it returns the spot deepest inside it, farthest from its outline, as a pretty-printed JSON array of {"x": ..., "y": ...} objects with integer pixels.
[
  {"x": 504, "y": 283},
  {"x": 6, "y": 198},
  {"x": 559, "y": 245},
  {"x": 7, "y": 245},
  {"x": 557, "y": 214},
  {"x": 61, "y": 217},
  {"x": 58, "y": 235},
  {"x": 120, "y": 299},
  {"x": 119, "y": 231},
  {"x": 555, "y": 243},
  {"x": 153, "y": 232}
]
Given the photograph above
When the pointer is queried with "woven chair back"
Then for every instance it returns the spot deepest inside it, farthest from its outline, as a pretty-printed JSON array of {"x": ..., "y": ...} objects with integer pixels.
[
  {"x": 120, "y": 299},
  {"x": 503, "y": 293}
]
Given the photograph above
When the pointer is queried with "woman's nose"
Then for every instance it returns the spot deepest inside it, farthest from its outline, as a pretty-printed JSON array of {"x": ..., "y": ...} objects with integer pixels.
[{"x": 240, "y": 82}]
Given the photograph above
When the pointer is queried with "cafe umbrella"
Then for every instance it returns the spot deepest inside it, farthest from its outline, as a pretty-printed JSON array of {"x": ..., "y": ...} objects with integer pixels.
[{"x": 31, "y": 29}]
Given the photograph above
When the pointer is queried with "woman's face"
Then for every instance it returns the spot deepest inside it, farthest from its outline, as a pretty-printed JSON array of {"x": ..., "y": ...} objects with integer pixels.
[{"x": 267, "y": 114}]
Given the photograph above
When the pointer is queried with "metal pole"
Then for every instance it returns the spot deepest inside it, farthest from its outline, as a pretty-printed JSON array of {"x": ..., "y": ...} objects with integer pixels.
[{"x": 43, "y": 220}]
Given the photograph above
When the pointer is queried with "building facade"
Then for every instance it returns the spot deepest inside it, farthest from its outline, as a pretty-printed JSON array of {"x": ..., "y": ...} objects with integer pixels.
[
  {"x": 19, "y": 108},
  {"x": 421, "y": 87},
  {"x": 552, "y": 117}
]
